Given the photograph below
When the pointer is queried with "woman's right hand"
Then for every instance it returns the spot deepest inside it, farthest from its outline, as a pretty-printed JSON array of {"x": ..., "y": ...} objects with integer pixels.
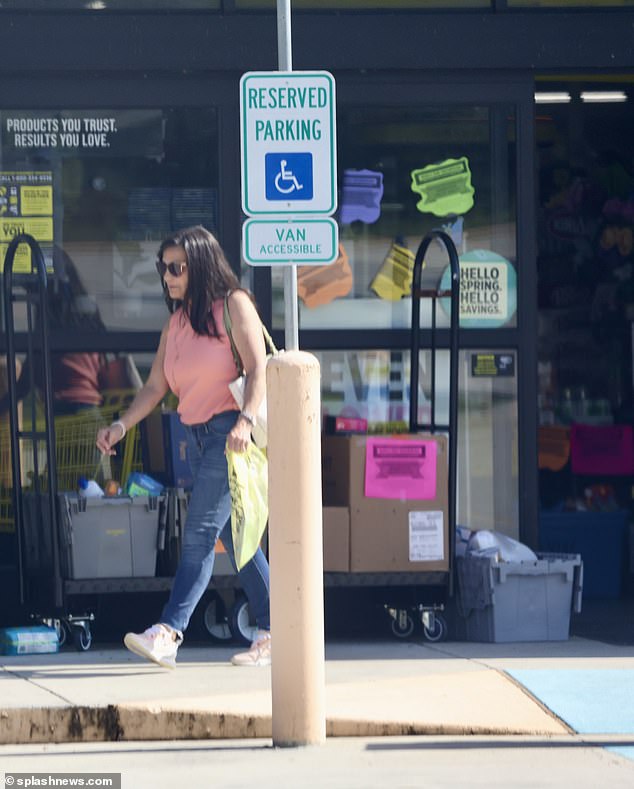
[{"x": 107, "y": 437}]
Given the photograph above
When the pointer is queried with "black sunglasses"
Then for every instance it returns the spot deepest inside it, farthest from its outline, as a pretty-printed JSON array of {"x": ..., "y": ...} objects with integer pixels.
[{"x": 175, "y": 269}]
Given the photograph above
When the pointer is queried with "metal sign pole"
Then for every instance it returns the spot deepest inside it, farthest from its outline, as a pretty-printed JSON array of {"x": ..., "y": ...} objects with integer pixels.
[{"x": 285, "y": 63}]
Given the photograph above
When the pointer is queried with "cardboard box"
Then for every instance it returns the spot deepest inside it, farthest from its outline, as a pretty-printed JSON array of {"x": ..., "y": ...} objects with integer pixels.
[
  {"x": 336, "y": 539},
  {"x": 164, "y": 449},
  {"x": 387, "y": 535},
  {"x": 335, "y": 469}
]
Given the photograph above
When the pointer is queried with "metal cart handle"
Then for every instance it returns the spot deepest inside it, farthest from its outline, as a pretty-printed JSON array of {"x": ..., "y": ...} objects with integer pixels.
[
  {"x": 36, "y": 294},
  {"x": 414, "y": 425}
]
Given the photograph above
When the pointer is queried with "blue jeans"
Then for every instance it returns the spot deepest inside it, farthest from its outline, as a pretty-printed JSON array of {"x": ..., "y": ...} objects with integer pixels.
[{"x": 209, "y": 518}]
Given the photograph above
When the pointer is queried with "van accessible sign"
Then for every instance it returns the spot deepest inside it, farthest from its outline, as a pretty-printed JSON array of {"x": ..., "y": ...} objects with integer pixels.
[
  {"x": 271, "y": 242},
  {"x": 288, "y": 143}
]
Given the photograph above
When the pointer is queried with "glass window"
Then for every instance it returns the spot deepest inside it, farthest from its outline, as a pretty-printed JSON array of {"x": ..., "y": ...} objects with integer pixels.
[
  {"x": 374, "y": 385},
  {"x": 90, "y": 389},
  {"x": 380, "y": 4},
  {"x": 585, "y": 156},
  {"x": 569, "y": 3},
  {"x": 403, "y": 172},
  {"x": 110, "y": 5},
  {"x": 585, "y": 253},
  {"x": 99, "y": 189},
  {"x": 585, "y": 266}
]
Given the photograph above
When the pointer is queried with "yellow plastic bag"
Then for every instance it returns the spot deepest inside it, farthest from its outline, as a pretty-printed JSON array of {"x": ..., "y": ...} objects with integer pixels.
[{"x": 248, "y": 484}]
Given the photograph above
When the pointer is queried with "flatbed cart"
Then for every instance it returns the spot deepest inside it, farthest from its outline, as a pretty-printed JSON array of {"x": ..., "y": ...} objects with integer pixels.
[
  {"x": 40, "y": 580},
  {"x": 404, "y": 590},
  {"x": 47, "y": 593}
]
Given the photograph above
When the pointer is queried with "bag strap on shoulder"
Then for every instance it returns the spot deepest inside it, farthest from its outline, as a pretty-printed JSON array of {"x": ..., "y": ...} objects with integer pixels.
[
  {"x": 227, "y": 321},
  {"x": 269, "y": 340}
]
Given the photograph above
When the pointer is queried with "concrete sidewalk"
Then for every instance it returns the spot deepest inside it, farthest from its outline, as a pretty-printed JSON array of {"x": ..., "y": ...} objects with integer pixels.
[
  {"x": 377, "y": 688},
  {"x": 372, "y": 688}
]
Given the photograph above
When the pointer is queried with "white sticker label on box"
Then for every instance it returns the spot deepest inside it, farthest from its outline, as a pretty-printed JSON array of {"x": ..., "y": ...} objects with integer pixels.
[{"x": 426, "y": 539}]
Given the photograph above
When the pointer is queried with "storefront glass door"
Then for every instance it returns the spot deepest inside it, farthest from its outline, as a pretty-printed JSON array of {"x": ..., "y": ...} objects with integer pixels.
[
  {"x": 410, "y": 162},
  {"x": 99, "y": 188},
  {"x": 585, "y": 155},
  {"x": 411, "y": 158}
]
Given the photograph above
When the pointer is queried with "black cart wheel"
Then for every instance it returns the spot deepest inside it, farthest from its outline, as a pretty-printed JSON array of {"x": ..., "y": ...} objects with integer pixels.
[
  {"x": 82, "y": 638},
  {"x": 402, "y": 624},
  {"x": 240, "y": 623},
  {"x": 62, "y": 633},
  {"x": 438, "y": 631},
  {"x": 214, "y": 620}
]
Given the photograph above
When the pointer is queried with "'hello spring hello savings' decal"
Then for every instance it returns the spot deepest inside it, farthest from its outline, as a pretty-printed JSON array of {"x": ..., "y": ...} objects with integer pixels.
[{"x": 488, "y": 292}]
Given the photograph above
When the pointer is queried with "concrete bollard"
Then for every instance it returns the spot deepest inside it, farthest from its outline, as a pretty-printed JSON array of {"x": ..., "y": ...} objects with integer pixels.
[{"x": 296, "y": 550}]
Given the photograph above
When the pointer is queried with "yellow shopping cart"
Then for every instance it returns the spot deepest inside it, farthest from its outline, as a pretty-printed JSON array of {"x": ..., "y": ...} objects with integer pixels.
[{"x": 75, "y": 452}]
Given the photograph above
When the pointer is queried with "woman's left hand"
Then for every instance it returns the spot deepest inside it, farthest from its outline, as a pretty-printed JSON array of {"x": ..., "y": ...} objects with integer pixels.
[{"x": 239, "y": 437}]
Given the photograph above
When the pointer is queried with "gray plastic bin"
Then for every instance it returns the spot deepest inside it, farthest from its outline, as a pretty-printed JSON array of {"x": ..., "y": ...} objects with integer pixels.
[
  {"x": 144, "y": 535},
  {"x": 518, "y": 601},
  {"x": 108, "y": 537}
]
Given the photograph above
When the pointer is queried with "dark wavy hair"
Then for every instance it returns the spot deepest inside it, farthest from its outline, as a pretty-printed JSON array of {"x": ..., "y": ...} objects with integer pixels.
[{"x": 210, "y": 277}]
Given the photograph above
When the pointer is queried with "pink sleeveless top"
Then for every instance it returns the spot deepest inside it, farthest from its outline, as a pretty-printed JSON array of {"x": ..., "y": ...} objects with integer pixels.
[{"x": 198, "y": 369}]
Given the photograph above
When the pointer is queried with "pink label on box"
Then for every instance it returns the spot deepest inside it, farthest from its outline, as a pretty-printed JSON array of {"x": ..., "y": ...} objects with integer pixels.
[{"x": 400, "y": 469}]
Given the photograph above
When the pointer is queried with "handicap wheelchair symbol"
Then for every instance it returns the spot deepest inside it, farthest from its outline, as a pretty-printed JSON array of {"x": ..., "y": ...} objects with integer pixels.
[
  {"x": 285, "y": 177},
  {"x": 289, "y": 176}
]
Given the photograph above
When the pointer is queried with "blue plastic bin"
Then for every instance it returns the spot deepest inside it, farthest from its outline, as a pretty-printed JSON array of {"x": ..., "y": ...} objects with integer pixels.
[
  {"x": 600, "y": 538},
  {"x": 164, "y": 448}
]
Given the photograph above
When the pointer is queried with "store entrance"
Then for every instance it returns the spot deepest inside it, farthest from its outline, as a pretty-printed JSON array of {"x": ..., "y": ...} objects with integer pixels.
[{"x": 585, "y": 157}]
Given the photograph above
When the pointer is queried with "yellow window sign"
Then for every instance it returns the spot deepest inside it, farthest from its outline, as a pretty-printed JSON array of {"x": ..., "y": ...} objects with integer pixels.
[
  {"x": 394, "y": 279},
  {"x": 36, "y": 200},
  {"x": 22, "y": 260},
  {"x": 40, "y": 228},
  {"x": 444, "y": 188}
]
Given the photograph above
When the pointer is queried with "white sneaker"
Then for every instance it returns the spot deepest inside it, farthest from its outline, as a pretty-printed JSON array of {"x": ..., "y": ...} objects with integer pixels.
[
  {"x": 259, "y": 654},
  {"x": 158, "y": 643}
]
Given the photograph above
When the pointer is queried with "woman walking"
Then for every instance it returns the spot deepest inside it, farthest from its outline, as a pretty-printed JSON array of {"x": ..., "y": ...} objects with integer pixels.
[{"x": 194, "y": 360}]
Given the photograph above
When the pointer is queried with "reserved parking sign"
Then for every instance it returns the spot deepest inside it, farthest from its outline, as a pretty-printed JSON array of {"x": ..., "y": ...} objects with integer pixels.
[{"x": 288, "y": 143}]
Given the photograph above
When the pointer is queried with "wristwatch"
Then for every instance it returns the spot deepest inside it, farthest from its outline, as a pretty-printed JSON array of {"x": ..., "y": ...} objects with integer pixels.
[{"x": 249, "y": 417}]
